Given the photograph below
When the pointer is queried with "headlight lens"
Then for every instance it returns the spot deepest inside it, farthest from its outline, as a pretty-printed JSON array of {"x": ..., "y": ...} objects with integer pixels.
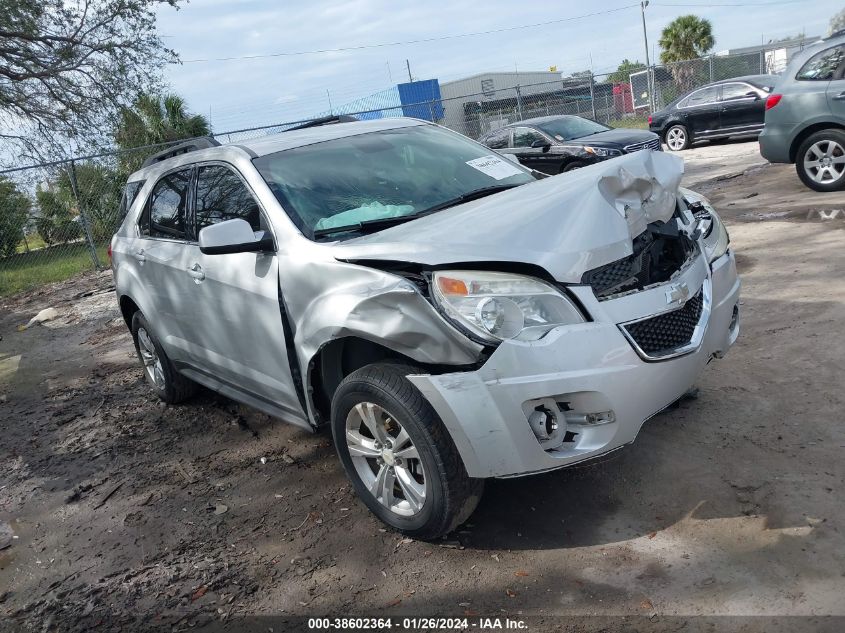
[
  {"x": 499, "y": 306},
  {"x": 602, "y": 151},
  {"x": 716, "y": 238}
]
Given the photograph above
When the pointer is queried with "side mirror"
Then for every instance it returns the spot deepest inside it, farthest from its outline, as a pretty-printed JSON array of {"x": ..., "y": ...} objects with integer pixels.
[
  {"x": 753, "y": 94},
  {"x": 540, "y": 143},
  {"x": 233, "y": 236}
]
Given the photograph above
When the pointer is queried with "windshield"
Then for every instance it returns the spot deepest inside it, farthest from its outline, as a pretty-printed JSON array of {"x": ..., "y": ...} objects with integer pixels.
[
  {"x": 569, "y": 127},
  {"x": 381, "y": 175}
]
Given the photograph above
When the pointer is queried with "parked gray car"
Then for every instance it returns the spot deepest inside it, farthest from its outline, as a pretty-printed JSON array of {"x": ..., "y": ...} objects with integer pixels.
[
  {"x": 451, "y": 315},
  {"x": 805, "y": 116}
]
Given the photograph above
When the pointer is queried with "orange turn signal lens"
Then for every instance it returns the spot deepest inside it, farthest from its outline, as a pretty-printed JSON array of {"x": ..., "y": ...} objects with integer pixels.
[{"x": 449, "y": 286}]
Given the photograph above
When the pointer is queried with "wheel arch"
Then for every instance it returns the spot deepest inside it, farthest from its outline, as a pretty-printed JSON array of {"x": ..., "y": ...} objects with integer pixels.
[
  {"x": 806, "y": 132},
  {"x": 128, "y": 308}
]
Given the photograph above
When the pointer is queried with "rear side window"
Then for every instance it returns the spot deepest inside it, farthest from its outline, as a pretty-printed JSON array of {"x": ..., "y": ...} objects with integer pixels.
[
  {"x": 130, "y": 192},
  {"x": 221, "y": 195},
  {"x": 167, "y": 206},
  {"x": 823, "y": 66},
  {"x": 497, "y": 140}
]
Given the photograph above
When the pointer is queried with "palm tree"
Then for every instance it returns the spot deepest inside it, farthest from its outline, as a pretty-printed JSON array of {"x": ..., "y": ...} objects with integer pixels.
[
  {"x": 685, "y": 38},
  {"x": 155, "y": 119}
]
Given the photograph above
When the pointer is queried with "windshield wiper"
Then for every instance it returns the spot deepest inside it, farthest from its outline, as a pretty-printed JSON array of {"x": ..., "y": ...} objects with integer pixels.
[{"x": 377, "y": 224}]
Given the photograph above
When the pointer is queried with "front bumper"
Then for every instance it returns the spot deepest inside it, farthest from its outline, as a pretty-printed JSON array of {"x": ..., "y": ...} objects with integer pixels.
[{"x": 588, "y": 368}]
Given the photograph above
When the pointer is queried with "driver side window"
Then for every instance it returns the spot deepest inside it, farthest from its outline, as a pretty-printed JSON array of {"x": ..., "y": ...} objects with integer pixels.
[
  {"x": 222, "y": 195},
  {"x": 524, "y": 137}
]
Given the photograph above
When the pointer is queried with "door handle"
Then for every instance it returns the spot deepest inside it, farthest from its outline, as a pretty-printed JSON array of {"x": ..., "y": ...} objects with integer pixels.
[
  {"x": 139, "y": 255},
  {"x": 839, "y": 97},
  {"x": 196, "y": 272}
]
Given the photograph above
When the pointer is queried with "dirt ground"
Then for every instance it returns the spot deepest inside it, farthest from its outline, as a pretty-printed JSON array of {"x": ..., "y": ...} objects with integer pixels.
[{"x": 121, "y": 513}]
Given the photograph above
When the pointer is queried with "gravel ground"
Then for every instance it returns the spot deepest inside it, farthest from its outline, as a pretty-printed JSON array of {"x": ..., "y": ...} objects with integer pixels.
[{"x": 120, "y": 513}]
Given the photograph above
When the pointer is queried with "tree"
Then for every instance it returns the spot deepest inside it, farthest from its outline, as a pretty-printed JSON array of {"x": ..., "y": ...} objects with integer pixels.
[
  {"x": 14, "y": 213},
  {"x": 685, "y": 38},
  {"x": 837, "y": 22},
  {"x": 624, "y": 71},
  {"x": 67, "y": 67},
  {"x": 155, "y": 119},
  {"x": 57, "y": 220}
]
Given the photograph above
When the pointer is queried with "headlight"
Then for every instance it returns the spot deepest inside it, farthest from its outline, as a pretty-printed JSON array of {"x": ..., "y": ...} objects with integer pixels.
[
  {"x": 602, "y": 151},
  {"x": 715, "y": 238},
  {"x": 499, "y": 306}
]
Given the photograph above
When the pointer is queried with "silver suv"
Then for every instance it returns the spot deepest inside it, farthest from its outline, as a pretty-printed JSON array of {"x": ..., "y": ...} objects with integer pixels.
[
  {"x": 805, "y": 116},
  {"x": 451, "y": 315}
]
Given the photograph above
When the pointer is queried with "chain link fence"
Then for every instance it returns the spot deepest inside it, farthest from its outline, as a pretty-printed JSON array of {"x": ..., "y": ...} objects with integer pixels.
[{"x": 56, "y": 219}]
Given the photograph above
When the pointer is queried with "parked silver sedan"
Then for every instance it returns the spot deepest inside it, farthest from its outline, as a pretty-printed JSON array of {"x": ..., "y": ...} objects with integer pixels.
[{"x": 451, "y": 315}]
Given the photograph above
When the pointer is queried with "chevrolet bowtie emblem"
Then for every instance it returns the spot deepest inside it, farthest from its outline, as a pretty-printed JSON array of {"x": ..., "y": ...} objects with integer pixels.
[{"x": 677, "y": 293}]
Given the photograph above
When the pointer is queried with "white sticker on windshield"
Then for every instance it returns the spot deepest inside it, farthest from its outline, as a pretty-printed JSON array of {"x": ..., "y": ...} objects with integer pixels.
[{"x": 495, "y": 167}]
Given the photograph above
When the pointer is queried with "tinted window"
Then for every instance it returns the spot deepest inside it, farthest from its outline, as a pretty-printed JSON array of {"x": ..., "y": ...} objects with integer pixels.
[
  {"x": 523, "y": 137},
  {"x": 221, "y": 195},
  {"x": 130, "y": 192},
  {"x": 737, "y": 91},
  {"x": 167, "y": 205},
  {"x": 566, "y": 128},
  {"x": 498, "y": 139},
  {"x": 700, "y": 97},
  {"x": 823, "y": 65}
]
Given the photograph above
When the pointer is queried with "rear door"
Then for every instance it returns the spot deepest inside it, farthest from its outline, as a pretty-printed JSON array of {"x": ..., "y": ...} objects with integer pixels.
[
  {"x": 161, "y": 255},
  {"x": 238, "y": 335},
  {"x": 701, "y": 111},
  {"x": 743, "y": 108}
]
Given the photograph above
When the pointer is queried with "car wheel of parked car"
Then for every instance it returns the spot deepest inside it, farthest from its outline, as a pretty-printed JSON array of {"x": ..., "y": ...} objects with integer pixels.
[
  {"x": 677, "y": 138},
  {"x": 573, "y": 166},
  {"x": 398, "y": 455},
  {"x": 820, "y": 161},
  {"x": 169, "y": 384}
]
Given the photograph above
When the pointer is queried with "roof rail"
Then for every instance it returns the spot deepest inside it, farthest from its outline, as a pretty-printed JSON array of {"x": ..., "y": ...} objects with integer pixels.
[
  {"x": 203, "y": 142},
  {"x": 325, "y": 120}
]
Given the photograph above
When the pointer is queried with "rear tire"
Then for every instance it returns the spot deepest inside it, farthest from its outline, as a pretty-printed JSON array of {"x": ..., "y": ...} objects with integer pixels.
[
  {"x": 677, "y": 138},
  {"x": 820, "y": 160},
  {"x": 422, "y": 490},
  {"x": 169, "y": 385}
]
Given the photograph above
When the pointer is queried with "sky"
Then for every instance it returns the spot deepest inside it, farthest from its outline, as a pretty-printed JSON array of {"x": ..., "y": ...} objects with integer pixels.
[{"x": 239, "y": 93}]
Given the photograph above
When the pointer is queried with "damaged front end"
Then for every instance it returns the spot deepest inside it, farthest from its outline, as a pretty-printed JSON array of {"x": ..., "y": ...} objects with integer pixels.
[{"x": 550, "y": 320}]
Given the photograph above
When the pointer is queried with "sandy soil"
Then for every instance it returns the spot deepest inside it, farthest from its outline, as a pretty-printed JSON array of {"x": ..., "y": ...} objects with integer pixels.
[{"x": 131, "y": 515}]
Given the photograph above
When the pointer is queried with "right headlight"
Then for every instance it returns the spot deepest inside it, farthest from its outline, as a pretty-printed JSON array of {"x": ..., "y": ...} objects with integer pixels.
[
  {"x": 499, "y": 306},
  {"x": 715, "y": 236}
]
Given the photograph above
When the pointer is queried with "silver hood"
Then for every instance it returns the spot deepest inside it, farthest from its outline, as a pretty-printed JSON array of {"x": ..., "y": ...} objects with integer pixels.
[{"x": 567, "y": 224}]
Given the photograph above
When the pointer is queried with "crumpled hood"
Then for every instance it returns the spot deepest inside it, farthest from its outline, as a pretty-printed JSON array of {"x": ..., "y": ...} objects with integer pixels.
[{"x": 566, "y": 224}]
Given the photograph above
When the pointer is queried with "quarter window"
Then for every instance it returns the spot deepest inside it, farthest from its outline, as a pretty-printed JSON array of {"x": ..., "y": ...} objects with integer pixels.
[
  {"x": 167, "y": 206},
  {"x": 221, "y": 196},
  {"x": 823, "y": 66}
]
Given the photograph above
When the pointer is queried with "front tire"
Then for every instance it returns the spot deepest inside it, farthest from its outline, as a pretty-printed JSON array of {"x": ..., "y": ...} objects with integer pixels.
[
  {"x": 820, "y": 161},
  {"x": 169, "y": 385},
  {"x": 677, "y": 138},
  {"x": 399, "y": 455},
  {"x": 573, "y": 166}
]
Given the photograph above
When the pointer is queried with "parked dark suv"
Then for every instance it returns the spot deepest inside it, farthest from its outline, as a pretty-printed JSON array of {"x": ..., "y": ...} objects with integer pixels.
[
  {"x": 733, "y": 107},
  {"x": 554, "y": 144}
]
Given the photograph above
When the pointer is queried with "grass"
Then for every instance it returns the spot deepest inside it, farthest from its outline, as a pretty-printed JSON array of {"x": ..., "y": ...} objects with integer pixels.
[
  {"x": 633, "y": 122},
  {"x": 33, "y": 242},
  {"x": 28, "y": 270}
]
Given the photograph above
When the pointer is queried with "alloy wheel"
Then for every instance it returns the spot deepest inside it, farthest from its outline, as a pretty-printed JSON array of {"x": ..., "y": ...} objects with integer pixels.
[
  {"x": 150, "y": 358},
  {"x": 676, "y": 138},
  {"x": 824, "y": 162},
  {"x": 386, "y": 459}
]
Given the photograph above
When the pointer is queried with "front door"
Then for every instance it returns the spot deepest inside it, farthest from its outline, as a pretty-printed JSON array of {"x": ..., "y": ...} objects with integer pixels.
[
  {"x": 539, "y": 158},
  {"x": 743, "y": 108},
  {"x": 238, "y": 336}
]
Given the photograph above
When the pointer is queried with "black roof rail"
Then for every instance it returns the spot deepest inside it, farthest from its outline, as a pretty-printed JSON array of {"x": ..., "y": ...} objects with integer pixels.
[
  {"x": 325, "y": 120},
  {"x": 203, "y": 142}
]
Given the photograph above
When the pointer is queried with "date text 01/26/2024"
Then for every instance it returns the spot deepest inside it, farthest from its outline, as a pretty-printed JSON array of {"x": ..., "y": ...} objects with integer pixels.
[{"x": 416, "y": 624}]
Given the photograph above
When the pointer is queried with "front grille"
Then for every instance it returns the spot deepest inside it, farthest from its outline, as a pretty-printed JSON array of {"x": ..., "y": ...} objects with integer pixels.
[
  {"x": 657, "y": 255},
  {"x": 651, "y": 144},
  {"x": 665, "y": 333}
]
